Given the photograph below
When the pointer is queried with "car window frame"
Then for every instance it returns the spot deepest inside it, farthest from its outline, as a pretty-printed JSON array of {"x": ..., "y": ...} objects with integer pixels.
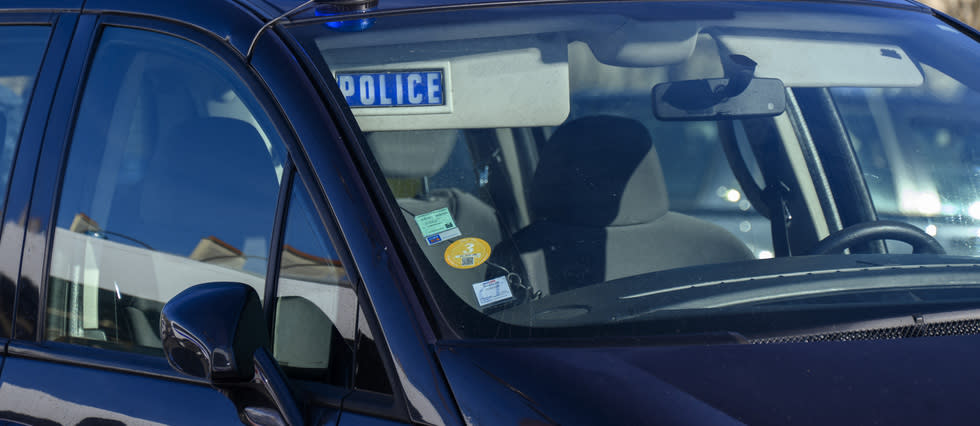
[
  {"x": 395, "y": 313},
  {"x": 18, "y": 195},
  {"x": 43, "y": 205}
]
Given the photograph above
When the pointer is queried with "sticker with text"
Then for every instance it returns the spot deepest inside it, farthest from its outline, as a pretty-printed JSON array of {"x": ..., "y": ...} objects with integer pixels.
[
  {"x": 437, "y": 226},
  {"x": 492, "y": 291},
  {"x": 466, "y": 253}
]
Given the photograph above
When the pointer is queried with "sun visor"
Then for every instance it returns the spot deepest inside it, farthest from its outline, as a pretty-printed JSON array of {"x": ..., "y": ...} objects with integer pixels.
[
  {"x": 501, "y": 82},
  {"x": 645, "y": 44},
  {"x": 825, "y": 63}
]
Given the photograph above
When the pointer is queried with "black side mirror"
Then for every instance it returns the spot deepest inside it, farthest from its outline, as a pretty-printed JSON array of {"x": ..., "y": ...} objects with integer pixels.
[{"x": 217, "y": 332}]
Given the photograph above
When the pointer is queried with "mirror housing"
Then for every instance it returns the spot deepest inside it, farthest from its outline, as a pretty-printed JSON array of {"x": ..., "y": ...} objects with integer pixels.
[
  {"x": 217, "y": 332},
  {"x": 719, "y": 99}
]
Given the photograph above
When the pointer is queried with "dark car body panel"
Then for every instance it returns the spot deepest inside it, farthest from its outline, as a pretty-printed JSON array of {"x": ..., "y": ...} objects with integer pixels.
[
  {"x": 38, "y": 392},
  {"x": 45, "y": 5},
  {"x": 910, "y": 381},
  {"x": 231, "y": 22}
]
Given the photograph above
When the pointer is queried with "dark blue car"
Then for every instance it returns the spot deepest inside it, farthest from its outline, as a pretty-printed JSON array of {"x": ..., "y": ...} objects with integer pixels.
[{"x": 518, "y": 212}]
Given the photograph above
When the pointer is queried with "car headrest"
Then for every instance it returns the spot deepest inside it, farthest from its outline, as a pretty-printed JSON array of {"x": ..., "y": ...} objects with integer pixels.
[
  {"x": 200, "y": 160},
  {"x": 599, "y": 171},
  {"x": 412, "y": 153}
]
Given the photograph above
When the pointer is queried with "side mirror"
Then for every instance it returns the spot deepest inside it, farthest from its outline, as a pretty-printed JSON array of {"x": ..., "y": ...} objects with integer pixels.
[{"x": 217, "y": 332}]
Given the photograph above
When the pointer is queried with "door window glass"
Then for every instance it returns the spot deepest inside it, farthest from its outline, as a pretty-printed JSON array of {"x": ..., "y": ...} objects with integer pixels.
[
  {"x": 369, "y": 371},
  {"x": 171, "y": 180},
  {"x": 23, "y": 48},
  {"x": 316, "y": 304}
]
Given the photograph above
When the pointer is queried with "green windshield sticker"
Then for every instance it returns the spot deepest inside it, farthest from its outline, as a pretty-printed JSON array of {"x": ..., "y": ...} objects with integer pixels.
[{"x": 437, "y": 226}]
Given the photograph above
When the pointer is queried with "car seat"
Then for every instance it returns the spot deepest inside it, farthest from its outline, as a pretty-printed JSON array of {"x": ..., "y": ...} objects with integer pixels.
[{"x": 601, "y": 212}]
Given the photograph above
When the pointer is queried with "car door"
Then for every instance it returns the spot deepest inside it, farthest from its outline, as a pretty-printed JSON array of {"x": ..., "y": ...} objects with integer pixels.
[
  {"x": 164, "y": 169},
  {"x": 28, "y": 40}
]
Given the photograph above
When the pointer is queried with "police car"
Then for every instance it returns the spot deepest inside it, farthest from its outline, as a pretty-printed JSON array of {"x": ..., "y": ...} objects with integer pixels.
[{"x": 451, "y": 212}]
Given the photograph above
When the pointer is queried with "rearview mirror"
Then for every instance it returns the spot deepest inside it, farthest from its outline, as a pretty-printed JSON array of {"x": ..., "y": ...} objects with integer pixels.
[
  {"x": 719, "y": 99},
  {"x": 217, "y": 332}
]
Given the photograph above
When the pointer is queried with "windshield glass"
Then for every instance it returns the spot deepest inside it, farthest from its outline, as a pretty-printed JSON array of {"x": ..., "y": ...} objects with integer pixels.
[{"x": 664, "y": 168}]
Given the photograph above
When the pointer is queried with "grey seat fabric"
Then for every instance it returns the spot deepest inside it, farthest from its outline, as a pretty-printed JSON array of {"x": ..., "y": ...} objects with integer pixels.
[
  {"x": 420, "y": 154},
  {"x": 601, "y": 212},
  {"x": 144, "y": 320}
]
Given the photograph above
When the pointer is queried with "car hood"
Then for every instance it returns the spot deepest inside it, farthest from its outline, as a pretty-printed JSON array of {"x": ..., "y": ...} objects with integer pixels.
[{"x": 930, "y": 380}]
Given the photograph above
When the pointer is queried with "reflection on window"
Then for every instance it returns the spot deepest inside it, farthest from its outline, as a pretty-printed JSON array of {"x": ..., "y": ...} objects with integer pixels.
[
  {"x": 23, "y": 48},
  {"x": 918, "y": 148},
  {"x": 315, "y": 304},
  {"x": 369, "y": 372},
  {"x": 162, "y": 190}
]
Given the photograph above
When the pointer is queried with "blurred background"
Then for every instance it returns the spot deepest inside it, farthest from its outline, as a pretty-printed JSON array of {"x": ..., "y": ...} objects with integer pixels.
[{"x": 967, "y": 11}]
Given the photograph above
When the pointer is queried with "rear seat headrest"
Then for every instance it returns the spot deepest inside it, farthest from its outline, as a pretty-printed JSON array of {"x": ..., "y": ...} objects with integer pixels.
[{"x": 412, "y": 153}]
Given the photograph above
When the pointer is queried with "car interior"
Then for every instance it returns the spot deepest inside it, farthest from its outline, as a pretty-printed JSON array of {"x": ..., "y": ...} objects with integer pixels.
[{"x": 583, "y": 158}]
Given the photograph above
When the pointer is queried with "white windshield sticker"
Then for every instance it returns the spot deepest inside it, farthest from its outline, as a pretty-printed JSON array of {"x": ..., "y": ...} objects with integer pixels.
[
  {"x": 437, "y": 226},
  {"x": 492, "y": 291}
]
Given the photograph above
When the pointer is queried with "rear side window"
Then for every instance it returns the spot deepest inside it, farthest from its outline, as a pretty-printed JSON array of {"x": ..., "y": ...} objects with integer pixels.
[
  {"x": 171, "y": 180},
  {"x": 23, "y": 48}
]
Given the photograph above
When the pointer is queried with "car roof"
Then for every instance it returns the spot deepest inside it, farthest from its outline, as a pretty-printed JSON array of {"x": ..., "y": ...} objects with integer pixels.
[{"x": 282, "y": 6}]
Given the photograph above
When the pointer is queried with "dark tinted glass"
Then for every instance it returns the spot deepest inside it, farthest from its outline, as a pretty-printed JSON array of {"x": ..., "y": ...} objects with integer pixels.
[
  {"x": 171, "y": 181},
  {"x": 370, "y": 371},
  {"x": 23, "y": 48},
  {"x": 315, "y": 304}
]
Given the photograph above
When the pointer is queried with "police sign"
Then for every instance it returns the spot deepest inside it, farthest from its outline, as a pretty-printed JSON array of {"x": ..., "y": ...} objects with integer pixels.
[{"x": 393, "y": 89}]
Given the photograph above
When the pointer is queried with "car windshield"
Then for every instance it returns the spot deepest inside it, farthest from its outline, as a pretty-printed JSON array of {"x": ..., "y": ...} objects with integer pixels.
[{"x": 657, "y": 168}]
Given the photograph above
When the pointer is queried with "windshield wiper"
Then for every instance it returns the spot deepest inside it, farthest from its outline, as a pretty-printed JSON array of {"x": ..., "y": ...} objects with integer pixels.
[{"x": 953, "y": 323}]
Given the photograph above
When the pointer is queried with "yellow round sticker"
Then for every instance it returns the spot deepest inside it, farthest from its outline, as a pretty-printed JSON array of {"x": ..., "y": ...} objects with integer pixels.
[{"x": 467, "y": 253}]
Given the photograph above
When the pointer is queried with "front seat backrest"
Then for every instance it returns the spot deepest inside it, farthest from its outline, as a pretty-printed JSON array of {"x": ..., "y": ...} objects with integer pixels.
[{"x": 601, "y": 212}]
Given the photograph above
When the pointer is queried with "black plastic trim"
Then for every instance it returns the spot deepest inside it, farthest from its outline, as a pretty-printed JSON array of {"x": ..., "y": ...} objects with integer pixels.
[
  {"x": 17, "y": 195},
  {"x": 956, "y": 23},
  {"x": 374, "y": 404},
  {"x": 275, "y": 247},
  {"x": 31, "y": 293},
  {"x": 509, "y": 3},
  {"x": 320, "y": 394},
  {"x": 953, "y": 323}
]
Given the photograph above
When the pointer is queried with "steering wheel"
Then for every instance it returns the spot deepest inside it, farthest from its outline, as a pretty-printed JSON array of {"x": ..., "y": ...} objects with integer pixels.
[{"x": 878, "y": 230}]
